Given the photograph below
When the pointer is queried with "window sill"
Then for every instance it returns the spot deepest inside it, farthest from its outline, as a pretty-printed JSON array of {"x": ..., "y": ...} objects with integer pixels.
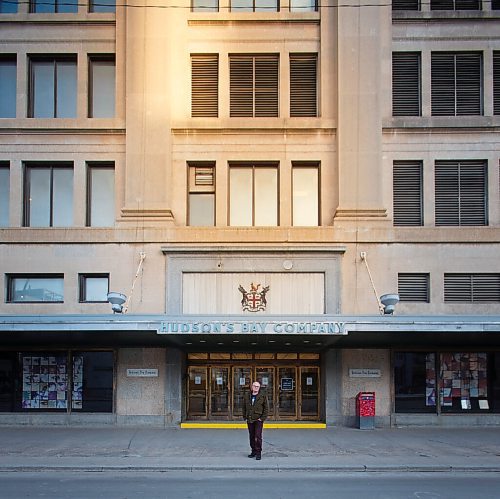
[
  {"x": 444, "y": 15},
  {"x": 460, "y": 122},
  {"x": 63, "y": 18},
  {"x": 215, "y": 18}
]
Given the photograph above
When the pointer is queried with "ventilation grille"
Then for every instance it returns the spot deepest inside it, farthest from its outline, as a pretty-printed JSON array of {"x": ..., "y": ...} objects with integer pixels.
[
  {"x": 456, "y": 85},
  {"x": 406, "y": 84},
  {"x": 460, "y": 191},
  {"x": 405, "y": 5},
  {"x": 303, "y": 85},
  {"x": 472, "y": 288},
  {"x": 254, "y": 86},
  {"x": 407, "y": 193},
  {"x": 414, "y": 287},
  {"x": 204, "y": 85},
  {"x": 455, "y": 5},
  {"x": 496, "y": 82}
]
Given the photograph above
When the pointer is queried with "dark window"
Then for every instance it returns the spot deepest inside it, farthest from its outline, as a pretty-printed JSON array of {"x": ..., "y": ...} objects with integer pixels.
[
  {"x": 456, "y": 83},
  {"x": 495, "y": 4},
  {"x": 102, "y": 6},
  {"x": 414, "y": 287},
  {"x": 254, "y": 85},
  {"x": 8, "y": 79},
  {"x": 496, "y": 82},
  {"x": 53, "y": 87},
  {"x": 408, "y": 193},
  {"x": 102, "y": 86},
  {"x": 48, "y": 195},
  {"x": 93, "y": 288},
  {"x": 8, "y": 6},
  {"x": 460, "y": 191},
  {"x": 54, "y": 6},
  {"x": 455, "y": 4},
  {"x": 57, "y": 381},
  {"x": 406, "y": 84},
  {"x": 35, "y": 288},
  {"x": 405, "y": 5},
  {"x": 201, "y": 196},
  {"x": 4, "y": 194},
  {"x": 205, "y": 85},
  {"x": 254, "y": 5},
  {"x": 303, "y": 85},
  {"x": 415, "y": 382},
  {"x": 472, "y": 288},
  {"x": 100, "y": 195}
]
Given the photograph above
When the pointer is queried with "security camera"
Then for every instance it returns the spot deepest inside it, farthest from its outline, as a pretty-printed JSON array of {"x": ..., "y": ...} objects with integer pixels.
[
  {"x": 117, "y": 300},
  {"x": 389, "y": 301}
]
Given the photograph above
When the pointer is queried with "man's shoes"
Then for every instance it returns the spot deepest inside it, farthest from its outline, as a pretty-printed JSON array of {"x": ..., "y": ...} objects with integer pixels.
[
  {"x": 258, "y": 457},
  {"x": 252, "y": 454}
]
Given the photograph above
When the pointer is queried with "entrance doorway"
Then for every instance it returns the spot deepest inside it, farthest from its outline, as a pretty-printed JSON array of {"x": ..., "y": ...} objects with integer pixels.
[{"x": 215, "y": 390}]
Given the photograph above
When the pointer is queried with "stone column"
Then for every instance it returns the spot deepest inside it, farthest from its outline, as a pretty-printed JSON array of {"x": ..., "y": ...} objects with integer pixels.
[{"x": 174, "y": 369}]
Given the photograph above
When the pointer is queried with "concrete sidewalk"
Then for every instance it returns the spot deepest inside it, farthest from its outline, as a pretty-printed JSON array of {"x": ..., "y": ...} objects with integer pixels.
[{"x": 331, "y": 449}]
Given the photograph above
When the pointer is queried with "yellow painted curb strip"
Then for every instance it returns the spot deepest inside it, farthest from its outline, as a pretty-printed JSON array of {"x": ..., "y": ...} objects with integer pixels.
[{"x": 239, "y": 426}]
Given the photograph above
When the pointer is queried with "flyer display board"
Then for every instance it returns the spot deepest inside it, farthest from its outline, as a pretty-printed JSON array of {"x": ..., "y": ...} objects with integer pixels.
[{"x": 45, "y": 382}]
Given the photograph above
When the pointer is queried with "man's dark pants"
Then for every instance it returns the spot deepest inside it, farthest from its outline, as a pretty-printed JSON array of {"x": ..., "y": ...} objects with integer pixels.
[{"x": 255, "y": 434}]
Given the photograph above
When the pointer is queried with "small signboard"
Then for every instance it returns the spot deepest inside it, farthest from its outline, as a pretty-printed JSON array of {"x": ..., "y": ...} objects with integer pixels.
[
  {"x": 364, "y": 373},
  {"x": 142, "y": 373},
  {"x": 286, "y": 384}
]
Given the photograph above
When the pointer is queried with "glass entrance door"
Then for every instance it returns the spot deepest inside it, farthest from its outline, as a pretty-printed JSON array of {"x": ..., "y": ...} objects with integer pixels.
[
  {"x": 265, "y": 376},
  {"x": 287, "y": 393},
  {"x": 197, "y": 392},
  {"x": 242, "y": 377},
  {"x": 219, "y": 392},
  {"x": 309, "y": 393}
]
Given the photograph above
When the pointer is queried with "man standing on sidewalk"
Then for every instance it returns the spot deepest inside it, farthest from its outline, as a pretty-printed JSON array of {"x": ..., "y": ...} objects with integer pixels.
[{"x": 255, "y": 409}]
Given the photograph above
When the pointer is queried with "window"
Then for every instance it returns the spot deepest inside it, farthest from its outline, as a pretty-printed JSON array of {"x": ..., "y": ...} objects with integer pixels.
[
  {"x": 102, "y": 87},
  {"x": 253, "y": 85},
  {"x": 495, "y": 4},
  {"x": 455, "y": 4},
  {"x": 204, "y": 85},
  {"x": 405, "y": 5},
  {"x": 201, "y": 208},
  {"x": 456, "y": 83},
  {"x": 8, "y": 86},
  {"x": 413, "y": 287},
  {"x": 35, "y": 288},
  {"x": 53, "y": 6},
  {"x": 303, "y": 85},
  {"x": 408, "y": 193},
  {"x": 460, "y": 190},
  {"x": 100, "y": 195},
  {"x": 93, "y": 287},
  {"x": 471, "y": 288},
  {"x": 48, "y": 195},
  {"x": 205, "y": 5},
  {"x": 254, "y": 5},
  {"x": 303, "y": 5},
  {"x": 4, "y": 194},
  {"x": 8, "y": 6},
  {"x": 406, "y": 89},
  {"x": 53, "y": 88},
  {"x": 305, "y": 194},
  {"x": 253, "y": 194},
  {"x": 102, "y": 6},
  {"x": 496, "y": 82}
]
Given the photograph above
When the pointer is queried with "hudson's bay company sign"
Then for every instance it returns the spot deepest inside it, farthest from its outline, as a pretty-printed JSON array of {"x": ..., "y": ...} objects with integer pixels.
[{"x": 244, "y": 327}]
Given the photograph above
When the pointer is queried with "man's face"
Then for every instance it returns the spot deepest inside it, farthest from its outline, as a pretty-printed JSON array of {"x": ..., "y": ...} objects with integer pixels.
[{"x": 255, "y": 387}]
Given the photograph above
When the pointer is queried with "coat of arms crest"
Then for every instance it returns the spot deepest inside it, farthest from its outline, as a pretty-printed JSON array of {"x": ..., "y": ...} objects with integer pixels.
[{"x": 253, "y": 300}]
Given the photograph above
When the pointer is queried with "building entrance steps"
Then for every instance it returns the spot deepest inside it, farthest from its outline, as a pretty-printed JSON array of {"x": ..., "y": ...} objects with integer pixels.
[{"x": 238, "y": 425}]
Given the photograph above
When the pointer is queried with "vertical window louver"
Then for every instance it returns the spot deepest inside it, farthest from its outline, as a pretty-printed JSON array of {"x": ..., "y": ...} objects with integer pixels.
[
  {"x": 455, "y": 4},
  {"x": 406, "y": 84},
  {"x": 472, "y": 288},
  {"x": 414, "y": 287},
  {"x": 303, "y": 85},
  {"x": 405, "y": 5},
  {"x": 204, "y": 85},
  {"x": 456, "y": 84},
  {"x": 254, "y": 85},
  {"x": 460, "y": 191},
  {"x": 408, "y": 193},
  {"x": 496, "y": 82}
]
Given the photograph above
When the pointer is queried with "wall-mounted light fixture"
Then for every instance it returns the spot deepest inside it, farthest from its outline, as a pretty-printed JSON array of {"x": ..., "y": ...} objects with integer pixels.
[{"x": 117, "y": 300}]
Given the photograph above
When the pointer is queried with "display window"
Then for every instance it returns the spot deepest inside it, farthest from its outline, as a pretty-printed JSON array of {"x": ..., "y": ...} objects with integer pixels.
[
  {"x": 56, "y": 381},
  {"x": 447, "y": 382}
]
